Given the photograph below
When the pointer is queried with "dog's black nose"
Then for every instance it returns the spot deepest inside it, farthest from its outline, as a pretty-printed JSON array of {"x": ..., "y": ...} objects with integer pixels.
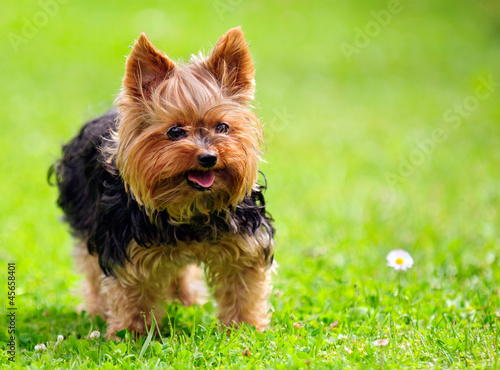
[{"x": 207, "y": 160}]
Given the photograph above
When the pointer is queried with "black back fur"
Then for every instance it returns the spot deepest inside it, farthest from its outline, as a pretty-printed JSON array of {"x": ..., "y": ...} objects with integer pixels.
[{"x": 100, "y": 210}]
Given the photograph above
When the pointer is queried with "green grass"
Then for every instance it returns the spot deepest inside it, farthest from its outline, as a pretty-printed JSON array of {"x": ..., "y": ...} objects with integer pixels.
[{"x": 348, "y": 180}]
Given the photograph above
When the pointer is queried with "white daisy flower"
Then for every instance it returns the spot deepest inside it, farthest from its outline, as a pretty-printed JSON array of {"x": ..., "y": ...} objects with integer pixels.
[
  {"x": 381, "y": 342},
  {"x": 95, "y": 334},
  {"x": 399, "y": 259},
  {"x": 40, "y": 347}
]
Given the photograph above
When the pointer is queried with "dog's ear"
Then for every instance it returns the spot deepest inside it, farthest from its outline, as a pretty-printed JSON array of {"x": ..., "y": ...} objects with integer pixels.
[
  {"x": 146, "y": 67},
  {"x": 231, "y": 63}
]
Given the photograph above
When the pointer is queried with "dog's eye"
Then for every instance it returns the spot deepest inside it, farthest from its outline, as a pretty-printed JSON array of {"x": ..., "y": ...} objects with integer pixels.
[
  {"x": 222, "y": 128},
  {"x": 176, "y": 133}
]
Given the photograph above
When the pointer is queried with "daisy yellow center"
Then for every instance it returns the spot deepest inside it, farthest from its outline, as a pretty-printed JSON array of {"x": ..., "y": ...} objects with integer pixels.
[{"x": 399, "y": 261}]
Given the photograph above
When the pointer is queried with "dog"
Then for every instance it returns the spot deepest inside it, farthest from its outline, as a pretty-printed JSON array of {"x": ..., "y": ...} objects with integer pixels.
[{"x": 165, "y": 187}]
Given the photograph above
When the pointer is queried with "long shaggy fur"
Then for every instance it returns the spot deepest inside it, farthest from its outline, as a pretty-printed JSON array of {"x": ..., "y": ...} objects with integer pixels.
[
  {"x": 98, "y": 208},
  {"x": 142, "y": 227}
]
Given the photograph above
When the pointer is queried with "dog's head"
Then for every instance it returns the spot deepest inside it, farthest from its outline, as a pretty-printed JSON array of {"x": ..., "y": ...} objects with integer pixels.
[{"x": 187, "y": 140}]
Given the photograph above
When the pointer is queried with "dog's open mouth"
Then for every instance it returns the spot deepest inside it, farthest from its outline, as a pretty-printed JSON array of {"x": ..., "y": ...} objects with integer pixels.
[{"x": 201, "y": 180}]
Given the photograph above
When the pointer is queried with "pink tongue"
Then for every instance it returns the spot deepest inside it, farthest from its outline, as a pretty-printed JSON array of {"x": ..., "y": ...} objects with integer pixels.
[{"x": 202, "y": 178}]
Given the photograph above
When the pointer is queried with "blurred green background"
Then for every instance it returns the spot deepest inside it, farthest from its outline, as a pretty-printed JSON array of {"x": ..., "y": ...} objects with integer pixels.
[{"x": 381, "y": 132}]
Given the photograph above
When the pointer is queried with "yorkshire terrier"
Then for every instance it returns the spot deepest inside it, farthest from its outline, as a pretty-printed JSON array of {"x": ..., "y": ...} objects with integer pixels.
[{"x": 168, "y": 182}]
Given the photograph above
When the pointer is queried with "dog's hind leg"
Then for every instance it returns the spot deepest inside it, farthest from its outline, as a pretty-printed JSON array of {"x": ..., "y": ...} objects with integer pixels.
[
  {"x": 190, "y": 286},
  {"x": 91, "y": 286}
]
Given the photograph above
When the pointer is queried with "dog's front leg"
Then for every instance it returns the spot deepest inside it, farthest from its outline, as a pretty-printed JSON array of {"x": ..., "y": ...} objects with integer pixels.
[
  {"x": 141, "y": 285},
  {"x": 239, "y": 272}
]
